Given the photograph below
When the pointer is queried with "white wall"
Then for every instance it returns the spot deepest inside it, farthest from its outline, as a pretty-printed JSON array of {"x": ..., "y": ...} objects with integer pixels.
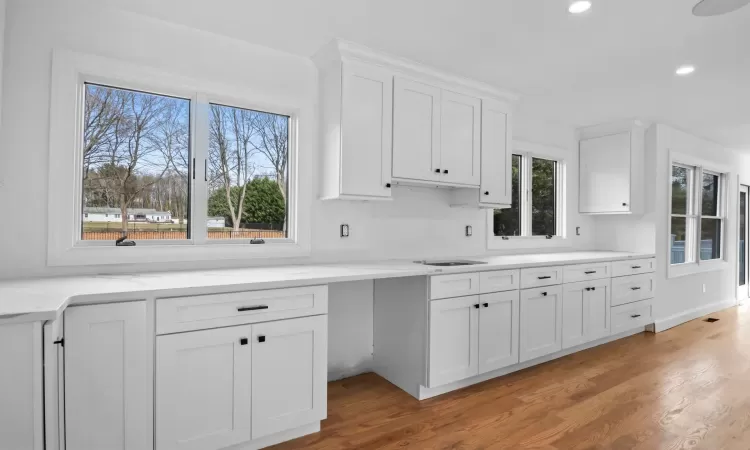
[
  {"x": 418, "y": 224},
  {"x": 2, "y": 46},
  {"x": 679, "y": 298}
]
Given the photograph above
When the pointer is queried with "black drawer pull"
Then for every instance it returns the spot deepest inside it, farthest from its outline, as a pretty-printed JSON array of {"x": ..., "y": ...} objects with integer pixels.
[
  {"x": 243, "y": 341},
  {"x": 590, "y": 272},
  {"x": 437, "y": 170},
  {"x": 544, "y": 294},
  {"x": 261, "y": 339},
  {"x": 476, "y": 306},
  {"x": 588, "y": 289},
  {"x": 635, "y": 288},
  {"x": 251, "y": 308},
  {"x": 486, "y": 305},
  {"x": 635, "y": 316},
  {"x": 635, "y": 267},
  {"x": 593, "y": 288},
  {"x": 545, "y": 278}
]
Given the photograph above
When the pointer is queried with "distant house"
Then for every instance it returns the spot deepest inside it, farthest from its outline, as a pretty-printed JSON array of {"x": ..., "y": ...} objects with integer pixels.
[
  {"x": 97, "y": 214},
  {"x": 216, "y": 222}
]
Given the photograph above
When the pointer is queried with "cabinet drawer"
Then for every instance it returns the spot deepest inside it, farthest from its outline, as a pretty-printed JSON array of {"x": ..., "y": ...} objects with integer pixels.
[
  {"x": 632, "y": 315},
  {"x": 633, "y": 267},
  {"x": 176, "y": 314},
  {"x": 632, "y": 288},
  {"x": 541, "y": 276},
  {"x": 458, "y": 285},
  {"x": 583, "y": 272},
  {"x": 499, "y": 280}
]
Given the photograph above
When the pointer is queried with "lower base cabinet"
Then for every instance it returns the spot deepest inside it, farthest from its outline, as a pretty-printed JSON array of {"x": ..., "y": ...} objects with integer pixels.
[
  {"x": 586, "y": 312},
  {"x": 221, "y": 387},
  {"x": 541, "y": 322}
]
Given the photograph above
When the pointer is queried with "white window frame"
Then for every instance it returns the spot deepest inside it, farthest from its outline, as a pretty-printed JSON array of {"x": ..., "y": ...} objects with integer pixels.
[
  {"x": 527, "y": 151},
  {"x": 693, "y": 263},
  {"x": 71, "y": 70}
]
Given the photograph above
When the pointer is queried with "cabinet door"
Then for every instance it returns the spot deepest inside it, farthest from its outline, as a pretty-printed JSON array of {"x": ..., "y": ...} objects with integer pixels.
[
  {"x": 289, "y": 374},
  {"x": 203, "y": 381},
  {"x": 454, "y": 346},
  {"x": 108, "y": 377},
  {"x": 498, "y": 330},
  {"x": 575, "y": 316},
  {"x": 605, "y": 174},
  {"x": 495, "y": 185},
  {"x": 598, "y": 310},
  {"x": 460, "y": 126},
  {"x": 416, "y": 131},
  {"x": 541, "y": 322},
  {"x": 366, "y": 130}
]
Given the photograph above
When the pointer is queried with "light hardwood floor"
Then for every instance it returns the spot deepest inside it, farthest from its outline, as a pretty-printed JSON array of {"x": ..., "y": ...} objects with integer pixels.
[{"x": 685, "y": 388}]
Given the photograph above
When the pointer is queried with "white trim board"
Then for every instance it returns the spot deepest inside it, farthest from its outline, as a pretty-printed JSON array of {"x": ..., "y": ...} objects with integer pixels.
[
  {"x": 425, "y": 392},
  {"x": 691, "y": 314}
]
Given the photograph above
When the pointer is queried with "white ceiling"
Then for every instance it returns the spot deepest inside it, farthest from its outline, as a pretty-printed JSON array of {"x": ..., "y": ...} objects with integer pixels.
[{"x": 615, "y": 62}]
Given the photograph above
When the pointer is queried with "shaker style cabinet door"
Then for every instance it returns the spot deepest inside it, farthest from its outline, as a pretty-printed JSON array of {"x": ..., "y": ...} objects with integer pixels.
[
  {"x": 454, "y": 339},
  {"x": 541, "y": 322},
  {"x": 605, "y": 174},
  {"x": 496, "y": 171},
  {"x": 203, "y": 382},
  {"x": 498, "y": 330},
  {"x": 460, "y": 140}
]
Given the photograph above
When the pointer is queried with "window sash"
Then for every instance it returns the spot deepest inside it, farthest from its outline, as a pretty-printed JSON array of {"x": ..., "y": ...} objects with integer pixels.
[{"x": 197, "y": 203}]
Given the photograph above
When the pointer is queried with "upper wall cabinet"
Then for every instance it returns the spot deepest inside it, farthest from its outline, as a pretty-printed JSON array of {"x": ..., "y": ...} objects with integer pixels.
[
  {"x": 389, "y": 121},
  {"x": 357, "y": 118},
  {"x": 611, "y": 169}
]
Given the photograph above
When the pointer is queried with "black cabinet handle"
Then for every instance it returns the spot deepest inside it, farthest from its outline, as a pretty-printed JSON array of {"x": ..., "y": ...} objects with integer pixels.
[
  {"x": 243, "y": 341},
  {"x": 593, "y": 288},
  {"x": 476, "y": 306},
  {"x": 445, "y": 171},
  {"x": 635, "y": 267},
  {"x": 437, "y": 170},
  {"x": 544, "y": 294},
  {"x": 261, "y": 339},
  {"x": 388, "y": 185},
  {"x": 486, "y": 192},
  {"x": 624, "y": 204},
  {"x": 635, "y": 316},
  {"x": 635, "y": 288},
  {"x": 486, "y": 305},
  {"x": 545, "y": 277},
  {"x": 588, "y": 289},
  {"x": 590, "y": 272},
  {"x": 251, "y": 308},
  {"x": 60, "y": 341}
]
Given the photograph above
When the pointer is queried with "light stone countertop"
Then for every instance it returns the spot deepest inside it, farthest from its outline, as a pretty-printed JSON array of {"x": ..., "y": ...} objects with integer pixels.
[{"x": 44, "y": 299}]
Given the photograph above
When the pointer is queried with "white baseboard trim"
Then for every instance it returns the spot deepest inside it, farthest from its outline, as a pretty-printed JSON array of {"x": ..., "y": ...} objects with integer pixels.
[
  {"x": 278, "y": 438},
  {"x": 691, "y": 314},
  {"x": 425, "y": 392}
]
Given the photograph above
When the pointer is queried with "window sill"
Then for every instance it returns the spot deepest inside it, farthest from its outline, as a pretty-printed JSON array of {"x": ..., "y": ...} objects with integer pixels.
[
  {"x": 498, "y": 243},
  {"x": 146, "y": 254},
  {"x": 686, "y": 269}
]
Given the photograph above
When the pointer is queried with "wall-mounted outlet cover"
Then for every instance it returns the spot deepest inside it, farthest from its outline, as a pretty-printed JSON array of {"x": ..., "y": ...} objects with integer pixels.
[
  {"x": 344, "y": 230},
  {"x": 468, "y": 230},
  {"x": 578, "y": 231}
]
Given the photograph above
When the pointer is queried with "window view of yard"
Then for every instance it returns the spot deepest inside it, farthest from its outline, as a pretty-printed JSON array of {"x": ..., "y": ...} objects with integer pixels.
[{"x": 136, "y": 169}]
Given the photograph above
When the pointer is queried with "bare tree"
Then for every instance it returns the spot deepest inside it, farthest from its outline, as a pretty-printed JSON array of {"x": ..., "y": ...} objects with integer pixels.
[{"x": 273, "y": 143}]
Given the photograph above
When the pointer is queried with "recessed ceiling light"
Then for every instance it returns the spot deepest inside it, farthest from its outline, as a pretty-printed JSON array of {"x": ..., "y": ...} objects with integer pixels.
[
  {"x": 685, "y": 70},
  {"x": 579, "y": 7}
]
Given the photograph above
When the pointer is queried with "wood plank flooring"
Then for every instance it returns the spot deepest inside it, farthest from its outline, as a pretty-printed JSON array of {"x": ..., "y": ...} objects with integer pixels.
[{"x": 685, "y": 388}]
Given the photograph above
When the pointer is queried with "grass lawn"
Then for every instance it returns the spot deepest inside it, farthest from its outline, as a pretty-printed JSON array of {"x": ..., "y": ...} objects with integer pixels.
[{"x": 142, "y": 226}]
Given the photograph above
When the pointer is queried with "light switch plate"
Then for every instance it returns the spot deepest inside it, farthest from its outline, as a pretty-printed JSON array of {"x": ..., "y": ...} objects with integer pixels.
[
  {"x": 468, "y": 230},
  {"x": 344, "y": 230}
]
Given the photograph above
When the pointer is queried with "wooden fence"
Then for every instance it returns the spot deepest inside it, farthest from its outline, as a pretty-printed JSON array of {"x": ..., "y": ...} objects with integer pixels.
[{"x": 149, "y": 235}]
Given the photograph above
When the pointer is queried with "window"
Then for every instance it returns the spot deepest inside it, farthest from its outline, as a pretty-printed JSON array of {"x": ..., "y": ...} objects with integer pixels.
[
  {"x": 136, "y": 160},
  {"x": 535, "y": 210},
  {"x": 697, "y": 215}
]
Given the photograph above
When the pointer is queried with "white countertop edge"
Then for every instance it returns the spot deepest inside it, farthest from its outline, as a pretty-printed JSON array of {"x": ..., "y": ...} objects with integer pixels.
[{"x": 46, "y": 298}]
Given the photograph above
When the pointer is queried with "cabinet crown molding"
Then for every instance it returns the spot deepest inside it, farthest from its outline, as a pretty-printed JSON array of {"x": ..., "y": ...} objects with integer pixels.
[
  {"x": 608, "y": 128},
  {"x": 340, "y": 50}
]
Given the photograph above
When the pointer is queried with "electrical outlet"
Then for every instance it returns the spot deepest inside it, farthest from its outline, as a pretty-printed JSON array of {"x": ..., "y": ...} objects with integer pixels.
[
  {"x": 704, "y": 288},
  {"x": 468, "y": 230},
  {"x": 344, "y": 230},
  {"x": 578, "y": 231}
]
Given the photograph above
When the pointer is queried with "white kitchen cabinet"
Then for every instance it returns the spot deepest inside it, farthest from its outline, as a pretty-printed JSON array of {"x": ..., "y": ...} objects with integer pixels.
[
  {"x": 356, "y": 127},
  {"x": 498, "y": 330},
  {"x": 611, "y": 162},
  {"x": 460, "y": 140},
  {"x": 541, "y": 322},
  {"x": 586, "y": 313},
  {"x": 416, "y": 131},
  {"x": 289, "y": 374},
  {"x": 108, "y": 377},
  {"x": 453, "y": 339},
  {"x": 203, "y": 387},
  {"x": 495, "y": 186}
]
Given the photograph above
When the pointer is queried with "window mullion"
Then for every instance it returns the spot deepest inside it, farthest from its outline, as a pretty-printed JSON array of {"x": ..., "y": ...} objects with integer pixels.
[
  {"x": 527, "y": 201},
  {"x": 199, "y": 169}
]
